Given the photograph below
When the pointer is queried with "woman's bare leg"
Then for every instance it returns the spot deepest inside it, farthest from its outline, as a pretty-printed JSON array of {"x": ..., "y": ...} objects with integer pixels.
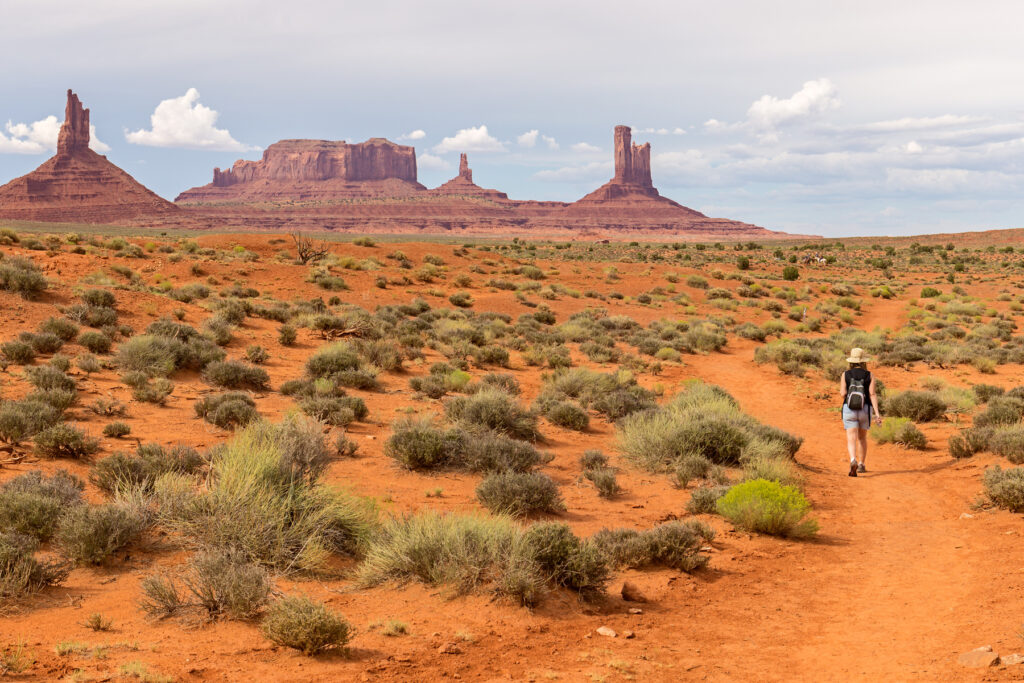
[
  {"x": 863, "y": 438},
  {"x": 852, "y": 437}
]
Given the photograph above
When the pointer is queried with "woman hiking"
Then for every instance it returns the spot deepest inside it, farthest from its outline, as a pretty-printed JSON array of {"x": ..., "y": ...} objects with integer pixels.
[{"x": 859, "y": 405}]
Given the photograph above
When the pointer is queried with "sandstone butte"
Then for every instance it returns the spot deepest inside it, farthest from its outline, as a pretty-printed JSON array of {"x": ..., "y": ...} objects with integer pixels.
[
  {"x": 77, "y": 185},
  {"x": 372, "y": 187}
]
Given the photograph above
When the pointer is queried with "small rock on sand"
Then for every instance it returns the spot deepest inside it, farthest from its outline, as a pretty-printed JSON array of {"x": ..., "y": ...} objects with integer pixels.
[
  {"x": 630, "y": 593},
  {"x": 607, "y": 632},
  {"x": 1012, "y": 660},
  {"x": 979, "y": 658}
]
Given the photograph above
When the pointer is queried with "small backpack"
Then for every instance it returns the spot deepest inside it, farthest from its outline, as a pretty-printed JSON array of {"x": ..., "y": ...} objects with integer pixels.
[{"x": 855, "y": 394}]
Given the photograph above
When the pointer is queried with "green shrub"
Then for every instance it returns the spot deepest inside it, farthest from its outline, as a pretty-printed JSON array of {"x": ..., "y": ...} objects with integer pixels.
[
  {"x": 919, "y": 406},
  {"x": 1009, "y": 443},
  {"x": 116, "y": 430},
  {"x": 305, "y": 625},
  {"x": 121, "y": 472},
  {"x": 18, "y": 352},
  {"x": 790, "y": 273},
  {"x": 233, "y": 374},
  {"x": 461, "y": 299},
  {"x": 603, "y": 478},
  {"x": 287, "y": 335},
  {"x": 566, "y": 560},
  {"x": 704, "y": 500},
  {"x": 772, "y": 468},
  {"x": 64, "y": 441},
  {"x": 568, "y": 414},
  {"x": 96, "y": 342},
  {"x": 676, "y": 545},
  {"x": 31, "y": 504},
  {"x": 958, "y": 448},
  {"x": 21, "y": 276},
  {"x": 156, "y": 391},
  {"x": 99, "y": 297},
  {"x": 20, "y": 571},
  {"x": 899, "y": 430},
  {"x": 418, "y": 445},
  {"x": 20, "y": 420},
  {"x": 49, "y": 378},
  {"x": 42, "y": 342},
  {"x": 152, "y": 355},
  {"x": 986, "y": 392},
  {"x": 1005, "y": 488},
  {"x": 488, "y": 451},
  {"x": 495, "y": 410},
  {"x": 519, "y": 494},
  {"x": 264, "y": 504},
  {"x": 229, "y": 410},
  {"x": 256, "y": 354},
  {"x": 769, "y": 508},
  {"x": 89, "y": 534},
  {"x": 333, "y": 359},
  {"x": 1002, "y": 410}
]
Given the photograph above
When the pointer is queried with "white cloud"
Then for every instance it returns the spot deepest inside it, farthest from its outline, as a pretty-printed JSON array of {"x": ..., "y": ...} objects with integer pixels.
[
  {"x": 814, "y": 98},
  {"x": 550, "y": 141},
  {"x": 528, "y": 139},
  {"x": 593, "y": 172},
  {"x": 913, "y": 147},
  {"x": 40, "y": 137},
  {"x": 184, "y": 122},
  {"x": 434, "y": 163},
  {"x": 666, "y": 131},
  {"x": 470, "y": 140},
  {"x": 417, "y": 134},
  {"x": 585, "y": 147}
]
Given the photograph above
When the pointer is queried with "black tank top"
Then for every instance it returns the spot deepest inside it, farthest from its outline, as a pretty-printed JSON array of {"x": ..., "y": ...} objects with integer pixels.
[{"x": 860, "y": 373}]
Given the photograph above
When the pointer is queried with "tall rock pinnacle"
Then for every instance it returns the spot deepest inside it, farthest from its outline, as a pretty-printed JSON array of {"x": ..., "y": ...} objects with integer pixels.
[
  {"x": 464, "y": 171},
  {"x": 632, "y": 162},
  {"x": 74, "y": 133}
]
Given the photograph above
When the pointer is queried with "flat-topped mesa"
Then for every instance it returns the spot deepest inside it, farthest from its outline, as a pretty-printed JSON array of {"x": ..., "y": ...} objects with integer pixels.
[
  {"x": 462, "y": 185},
  {"x": 315, "y": 170},
  {"x": 74, "y": 132}
]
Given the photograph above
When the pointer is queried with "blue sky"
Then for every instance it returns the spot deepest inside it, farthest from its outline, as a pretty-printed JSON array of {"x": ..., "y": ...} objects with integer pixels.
[{"x": 832, "y": 118}]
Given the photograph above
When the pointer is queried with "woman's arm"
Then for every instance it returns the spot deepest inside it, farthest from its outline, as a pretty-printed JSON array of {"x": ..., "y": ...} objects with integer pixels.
[
  {"x": 874, "y": 401},
  {"x": 842, "y": 386}
]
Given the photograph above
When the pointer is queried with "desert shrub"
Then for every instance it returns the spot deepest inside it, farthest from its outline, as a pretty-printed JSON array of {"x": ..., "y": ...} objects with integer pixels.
[
  {"x": 772, "y": 468},
  {"x": 305, "y": 625},
  {"x": 339, "y": 411},
  {"x": 604, "y": 479},
  {"x": 418, "y": 444},
  {"x": 20, "y": 571},
  {"x": 49, "y": 378},
  {"x": 22, "y": 277},
  {"x": 256, "y": 354},
  {"x": 461, "y": 299},
  {"x": 491, "y": 354},
  {"x": 333, "y": 359},
  {"x": 229, "y": 410},
  {"x": 919, "y": 406},
  {"x": 89, "y": 534},
  {"x": 768, "y": 507},
  {"x": 495, "y": 410},
  {"x": 462, "y": 552},
  {"x": 225, "y": 584},
  {"x": 156, "y": 391},
  {"x": 566, "y": 560},
  {"x": 219, "y": 330},
  {"x": 958, "y": 447},
  {"x": 262, "y": 505},
  {"x": 122, "y": 472},
  {"x": 704, "y": 500},
  {"x": 287, "y": 335},
  {"x": 20, "y": 420},
  {"x": 381, "y": 353},
  {"x": 488, "y": 451},
  {"x": 42, "y": 342},
  {"x": 1005, "y": 488},
  {"x": 790, "y": 273},
  {"x": 986, "y": 392},
  {"x": 899, "y": 430},
  {"x": 232, "y": 374},
  {"x": 1008, "y": 442},
  {"x": 567, "y": 414},
  {"x": 1002, "y": 410},
  {"x": 519, "y": 494},
  {"x": 99, "y": 297},
  {"x": 18, "y": 352},
  {"x": 31, "y": 504},
  {"x": 155, "y": 356},
  {"x": 116, "y": 430},
  {"x": 676, "y": 545},
  {"x": 96, "y": 342},
  {"x": 593, "y": 459},
  {"x": 64, "y": 441}
]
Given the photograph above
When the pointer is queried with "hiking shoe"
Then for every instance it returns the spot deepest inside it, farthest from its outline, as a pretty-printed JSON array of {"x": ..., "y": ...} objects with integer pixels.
[
  {"x": 861, "y": 468},
  {"x": 853, "y": 469}
]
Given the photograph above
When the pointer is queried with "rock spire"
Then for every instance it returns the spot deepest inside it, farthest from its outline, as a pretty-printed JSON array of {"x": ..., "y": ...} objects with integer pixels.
[{"x": 74, "y": 133}]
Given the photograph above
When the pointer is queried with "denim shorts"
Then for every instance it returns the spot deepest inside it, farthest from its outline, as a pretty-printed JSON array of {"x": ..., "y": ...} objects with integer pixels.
[{"x": 857, "y": 418}]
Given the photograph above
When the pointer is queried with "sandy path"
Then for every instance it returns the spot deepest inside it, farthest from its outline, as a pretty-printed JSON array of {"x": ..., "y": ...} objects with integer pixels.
[{"x": 895, "y": 570}]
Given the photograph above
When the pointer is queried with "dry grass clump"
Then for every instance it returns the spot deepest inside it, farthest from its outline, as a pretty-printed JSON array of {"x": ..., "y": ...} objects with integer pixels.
[
  {"x": 519, "y": 494},
  {"x": 89, "y": 534},
  {"x": 220, "y": 584},
  {"x": 139, "y": 472},
  {"x": 31, "y": 504},
  {"x": 229, "y": 410},
  {"x": 676, "y": 545},
  {"x": 22, "y": 276},
  {"x": 1005, "y": 488},
  {"x": 899, "y": 430},
  {"x": 305, "y": 625},
  {"x": 493, "y": 409},
  {"x": 919, "y": 406},
  {"x": 20, "y": 571}
]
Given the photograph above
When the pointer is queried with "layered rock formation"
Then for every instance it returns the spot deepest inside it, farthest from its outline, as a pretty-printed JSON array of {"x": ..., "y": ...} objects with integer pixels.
[
  {"x": 78, "y": 185},
  {"x": 314, "y": 170},
  {"x": 463, "y": 185}
]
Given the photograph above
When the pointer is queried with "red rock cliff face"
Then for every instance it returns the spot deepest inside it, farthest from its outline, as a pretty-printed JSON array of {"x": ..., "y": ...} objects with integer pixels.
[
  {"x": 315, "y": 170},
  {"x": 74, "y": 133},
  {"x": 78, "y": 185}
]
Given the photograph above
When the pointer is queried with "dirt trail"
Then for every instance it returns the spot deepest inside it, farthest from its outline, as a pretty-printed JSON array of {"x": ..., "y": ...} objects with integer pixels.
[{"x": 894, "y": 576}]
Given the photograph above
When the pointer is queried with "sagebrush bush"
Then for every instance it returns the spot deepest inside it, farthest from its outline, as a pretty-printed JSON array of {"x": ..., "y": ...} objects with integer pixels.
[
  {"x": 42, "y": 342},
  {"x": 305, "y": 625},
  {"x": 566, "y": 560},
  {"x": 919, "y": 406},
  {"x": 1005, "y": 488},
  {"x": 31, "y": 504},
  {"x": 122, "y": 472},
  {"x": 258, "y": 504},
  {"x": 64, "y": 441},
  {"x": 899, "y": 430},
  {"x": 333, "y": 359},
  {"x": 233, "y": 374},
  {"x": 1008, "y": 442},
  {"x": 768, "y": 507},
  {"x": 116, "y": 430},
  {"x": 676, "y": 545},
  {"x": 568, "y": 414},
  {"x": 89, "y": 534},
  {"x": 519, "y": 494},
  {"x": 604, "y": 480},
  {"x": 1002, "y": 410},
  {"x": 20, "y": 571},
  {"x": 494, "y": 409},
  {"x": 417, "y": 444},
  {"x": 704, "y": 500},
  {"x": 95, "y": 342},
  {"x": 20, "y": 420},
  {"x": 227, "y": 585},
  {"x": 18, "y": 352},
  {"x": 99, "y": 297},
  {"x": 228, "y": 410},
  {"x": 21, "y": 276},
  {"x": 339, "y": 411}
]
